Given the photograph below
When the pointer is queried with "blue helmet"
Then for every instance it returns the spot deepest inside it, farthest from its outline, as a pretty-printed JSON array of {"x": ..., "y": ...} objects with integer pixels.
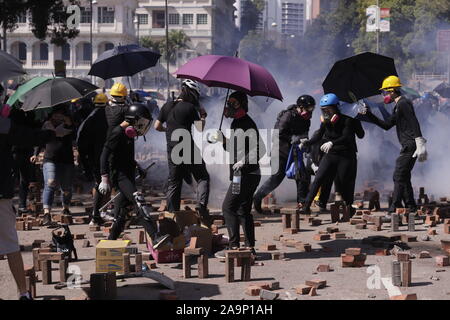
[{"x": 329, "y": 99}]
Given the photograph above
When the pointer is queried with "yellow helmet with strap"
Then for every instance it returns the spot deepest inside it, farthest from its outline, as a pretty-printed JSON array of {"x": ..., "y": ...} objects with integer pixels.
[
  {"x": 390, "y": 83},
  {"x": 119, "y": 90}
]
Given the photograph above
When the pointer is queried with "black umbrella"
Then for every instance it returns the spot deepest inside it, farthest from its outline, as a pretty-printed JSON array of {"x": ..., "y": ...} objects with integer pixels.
[
  {"x": 362, "y": 74},
  {"x": 123, "y": 61},
  {"x": 443, "y": 89},
  {"x": 9, "y": 66},
  {"x": 56, "y": 91}
]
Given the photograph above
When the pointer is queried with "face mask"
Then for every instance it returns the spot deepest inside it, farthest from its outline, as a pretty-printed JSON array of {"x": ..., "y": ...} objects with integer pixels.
[
  {"x": 130, "y": 132},
  {"x": 232, "y": 112},
  {"x": 387, "y": 99},
  {"x": 5, "y": 111},
  {"x": 306, "y": 115},
  {"x": 140, "y": 128},
  {"x": 329, "y": 115}
]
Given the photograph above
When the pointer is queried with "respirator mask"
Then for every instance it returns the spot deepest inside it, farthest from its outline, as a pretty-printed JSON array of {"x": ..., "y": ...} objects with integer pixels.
[
  {"x": 329, "y": 114},
  {"x": 139, "y": 128},
  {"x": 388, "y": 97}
]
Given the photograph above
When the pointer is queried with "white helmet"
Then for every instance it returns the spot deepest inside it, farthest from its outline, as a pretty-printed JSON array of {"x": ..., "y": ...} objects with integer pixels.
[{"x": 191, "y": 84}]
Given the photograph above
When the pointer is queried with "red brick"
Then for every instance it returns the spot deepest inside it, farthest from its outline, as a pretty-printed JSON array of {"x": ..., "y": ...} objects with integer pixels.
[
  {"x": 324, "y": 268},
  {"x": 408, "y": 238},
  {"x": 303, "y": 289},
  {"x": 263, "y": 285},
  {"x": 316, "y": 283},
  {"x": 321, "y": 237},
  {"x": 403, "y": 256},
  {"x": 353, "y": 251},
  {"x": 338, "y": 235},
  {"x": 424, "y": 255},
  {"x": 252, "y": 291},
  {"x": 361, "y": 226},
  {"x": 443, "y": 261},
  {"x": 447, "y": 228},
  {"x": 303, "y": 247},
  {"x": 332, "y": 229},
  {"x": 268, "y": 247}
]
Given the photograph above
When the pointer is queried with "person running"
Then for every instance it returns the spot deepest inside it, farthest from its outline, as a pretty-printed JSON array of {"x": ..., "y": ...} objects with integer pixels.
[
  {"x": 410, "y": 137},
  {"x": 293, "y": 125},
  {"x": 118, "y": 169}
]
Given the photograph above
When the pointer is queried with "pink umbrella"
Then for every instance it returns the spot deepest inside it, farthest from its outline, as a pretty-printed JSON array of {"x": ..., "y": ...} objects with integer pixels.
[{"x": 232, "y": 73}]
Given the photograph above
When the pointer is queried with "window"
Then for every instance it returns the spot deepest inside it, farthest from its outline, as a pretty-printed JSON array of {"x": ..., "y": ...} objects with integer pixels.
[
  {"x": 202, "y": 18},
  {"x": 86, "y": 51},
  {"x": 22, "y": 51},
  {"x": 43, "y": 51},
  {"x": 109, "y": 46},
  {"x": 159, "y": 19},
  {"x": 174, "y": 18},
  {"x": 22, "y": 18},
  {"x": 65, "y": 52},
  {"x": 106, "y": 14},
  {"x": 142, "y": 18},
  {"x": 188, "y": 18},
  {"x": 86, "y": 15}
]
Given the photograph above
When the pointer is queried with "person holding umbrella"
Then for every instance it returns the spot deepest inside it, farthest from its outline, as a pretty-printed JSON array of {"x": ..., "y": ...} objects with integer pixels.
[
  {"x": 246, "y": 149},
  {"x": 337, "y": 131},
  {"x": 179, "y": 116},
  {"x": 58, "y": 164},
  {"x": 293, "y": 125},
  {"x": 118, "y": 168},
  {"x": 410, "y": 137}
]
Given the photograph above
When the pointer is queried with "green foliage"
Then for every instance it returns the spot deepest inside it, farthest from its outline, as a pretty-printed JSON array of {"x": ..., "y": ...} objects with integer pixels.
[
  {"x": 250, "y": 13},
  {"x": 178, "y": 40}
]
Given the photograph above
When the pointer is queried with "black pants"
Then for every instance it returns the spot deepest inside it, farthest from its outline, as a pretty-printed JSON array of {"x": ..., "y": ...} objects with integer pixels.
[
  {"x": 275, "y": 180},
  {"x": 338, "y": 166},
  {"x": 237, "y": 211},
  {"x": 25, "y": 171},
  {"x": 177, "y": 173},
  {"x": 125, "y": 184},
  {"x": 403, "y": 195},
  {"x": 99, "y": 199}
]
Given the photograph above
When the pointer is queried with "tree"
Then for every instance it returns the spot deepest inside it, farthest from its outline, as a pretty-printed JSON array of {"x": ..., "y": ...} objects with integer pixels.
[
  {"x": 48, "y": 18},
  {"x": 250, "y": 15},
  {"x": 178, "y": 40}
]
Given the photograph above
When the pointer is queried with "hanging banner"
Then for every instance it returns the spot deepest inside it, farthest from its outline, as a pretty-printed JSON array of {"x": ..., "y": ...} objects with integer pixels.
[
  {"x": 385, "y": 19},
  {"x": 372, "y": 18}
]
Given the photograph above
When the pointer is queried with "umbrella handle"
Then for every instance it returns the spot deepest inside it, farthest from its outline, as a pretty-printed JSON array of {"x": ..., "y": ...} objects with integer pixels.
[{"x": 224, "y": 106}]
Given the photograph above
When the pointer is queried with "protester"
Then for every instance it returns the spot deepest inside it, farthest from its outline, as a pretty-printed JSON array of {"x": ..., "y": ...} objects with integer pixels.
[
  {"x": 340, "y": 150},
  {"x": 58, "y": 164},
  {"x": 293, "y": 125},
  {"x": 90, "y": 140},
  {"x": 179, "y": 116},
  {"x": 410, "y": 137},
  {"x": 246, "y": 149},
  {"x": 15, "y": 134},
  {"x": 116, "y": 108},
  {"x": 118, "y": 169}
]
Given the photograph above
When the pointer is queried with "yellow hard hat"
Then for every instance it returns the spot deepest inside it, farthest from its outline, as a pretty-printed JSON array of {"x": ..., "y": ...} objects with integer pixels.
[
  {"x": 100, "y": 98},
  {"x": 119, "y": 90},
  {"x": 391, "y": 82},
  {"x": 74, "y": 100}
]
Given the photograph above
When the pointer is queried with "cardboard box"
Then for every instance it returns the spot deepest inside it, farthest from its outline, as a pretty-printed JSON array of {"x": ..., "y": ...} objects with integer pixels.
[
  {"x": 183, "y": 218},
  {"x": 111, "y": 249},
  {"x": 172, "y": 252},
  {"x": 204, "y": 237},
  {"x": 107, "y": 265}
]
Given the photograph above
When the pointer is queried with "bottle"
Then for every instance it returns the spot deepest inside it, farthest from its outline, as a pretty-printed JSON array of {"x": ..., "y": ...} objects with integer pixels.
[{"x": 236, "y": 185}]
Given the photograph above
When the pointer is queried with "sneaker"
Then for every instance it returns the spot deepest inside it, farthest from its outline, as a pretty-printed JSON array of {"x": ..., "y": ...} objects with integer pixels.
[
  {"x": 306, "y": 210},
  {"x": 66, "y": 211},
  {"x": 96, "y": 221},
  {"x": 220, "y": 254},
  {"x": 106, "y": 216},
  {"x": 160, "y": 240},
  {"x": 25, "y": 297},
  {"x": 257, "y": 205}
]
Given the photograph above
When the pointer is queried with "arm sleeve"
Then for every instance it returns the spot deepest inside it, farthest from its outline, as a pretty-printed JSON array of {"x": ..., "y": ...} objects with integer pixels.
[
  {"x": 110, "y": 145},
  {"x": 317, "y": 136},
  {"x": 406, "y": 110},
  {"x": 283, "y": 126},
  {"x": 386, "y": 125},
  {"x": 359, "y": 130}
]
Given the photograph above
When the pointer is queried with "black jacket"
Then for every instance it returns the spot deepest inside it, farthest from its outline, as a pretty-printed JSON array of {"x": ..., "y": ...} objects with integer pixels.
[
  {"x": 405, "y": 120},
  {"x": 290, "y": 123}
]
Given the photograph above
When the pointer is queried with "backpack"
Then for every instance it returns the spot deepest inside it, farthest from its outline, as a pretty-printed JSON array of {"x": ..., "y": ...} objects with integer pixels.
[{"x": 64, "y": 243}]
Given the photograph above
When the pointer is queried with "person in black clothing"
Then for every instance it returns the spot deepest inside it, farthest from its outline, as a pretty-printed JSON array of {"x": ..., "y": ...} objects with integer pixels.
[
  {"x": 410, "y": 138},
  {"x": 246, "y": 149},
  {"x": 116, "y": 108},
  {"x": 293, "y": 125},
  {"x": 58, "y": 164},
  {"x": 179, "y": 116},
  {"x": 117, "y": 166},
  {"x": 90, "y": 140},
  {"x": 340, "y": 150}
]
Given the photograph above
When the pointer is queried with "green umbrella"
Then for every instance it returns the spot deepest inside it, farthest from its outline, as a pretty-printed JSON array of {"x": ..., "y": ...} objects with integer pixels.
[
  {"x": 410, "y": 93},
  {"x": 24, "y": 88}
]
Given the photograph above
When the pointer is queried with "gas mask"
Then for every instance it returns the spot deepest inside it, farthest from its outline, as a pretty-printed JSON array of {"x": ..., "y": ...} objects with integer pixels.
[
  {"x": 139, "y": 128},
  {"x": 329, "y": 115},
  {"x": 388, "y": 97},
  {"x": 118, "y": 99},
  {"x": 231, "y": 111},
  {"x": 306, "y": 112}
]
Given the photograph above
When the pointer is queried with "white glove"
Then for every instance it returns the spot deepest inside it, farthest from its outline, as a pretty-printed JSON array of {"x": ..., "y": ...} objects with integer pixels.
[
  {"x": 104, "y": 186},
  {"x": 421, "y": 149},
  {"x": 314, "y": 168},
  {"x": 215, "y": 137},
  {"x": 60, "y": 131},
  {"x": 238, "y": 165},
  {"x": 326, "y": 147},
  {"x": 363, "y": 108}
]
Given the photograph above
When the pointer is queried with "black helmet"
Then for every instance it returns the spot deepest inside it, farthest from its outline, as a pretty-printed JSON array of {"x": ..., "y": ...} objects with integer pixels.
[
  {"x": 139, "y": 117},
  {"x": 306, "y": 101}
]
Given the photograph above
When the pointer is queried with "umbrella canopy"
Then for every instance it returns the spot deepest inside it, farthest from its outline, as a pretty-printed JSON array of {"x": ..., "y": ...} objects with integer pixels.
[
  {"x": 123, "y": 61},
  {"x": 56, "y": 91},
  {"x": 443, "y": 90},
  {"x": 410, "y": 93},
  {"x": 9, "y": 66},
  {"x": 24, "y": 88},
  {"x": 232, "y": 73},
  {"x": 362, "y": 74}
]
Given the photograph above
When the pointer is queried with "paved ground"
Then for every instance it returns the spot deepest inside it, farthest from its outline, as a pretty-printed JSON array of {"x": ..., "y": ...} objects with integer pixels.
[{"x": 428, "y": 281}]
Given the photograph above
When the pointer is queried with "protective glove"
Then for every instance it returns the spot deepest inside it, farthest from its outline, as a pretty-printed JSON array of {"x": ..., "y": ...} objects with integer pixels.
[
  {"x": 314, "y": 168},
  {"x": 60, "y": 131},
  {"x": 363, "y": 108},
  {"x": 296, "y": 139},
  {"x": 303, "y": 144},
  {"x": 326, "y": 147},
  {"x": 421, "y": 149},
  {"x": 104, "y": 186},
  {"x": 238, "y": 165}
]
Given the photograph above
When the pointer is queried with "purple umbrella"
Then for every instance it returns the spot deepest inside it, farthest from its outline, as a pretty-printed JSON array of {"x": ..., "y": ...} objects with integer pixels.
[{"x": 232, "y": 73}]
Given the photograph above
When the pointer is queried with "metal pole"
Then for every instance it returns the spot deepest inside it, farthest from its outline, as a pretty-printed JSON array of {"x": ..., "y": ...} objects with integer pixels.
[{"x": 167, "y": 49}]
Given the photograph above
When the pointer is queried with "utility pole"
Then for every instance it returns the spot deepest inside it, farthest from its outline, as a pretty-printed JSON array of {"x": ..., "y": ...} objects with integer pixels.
[{"x": 167, "y": 49}]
